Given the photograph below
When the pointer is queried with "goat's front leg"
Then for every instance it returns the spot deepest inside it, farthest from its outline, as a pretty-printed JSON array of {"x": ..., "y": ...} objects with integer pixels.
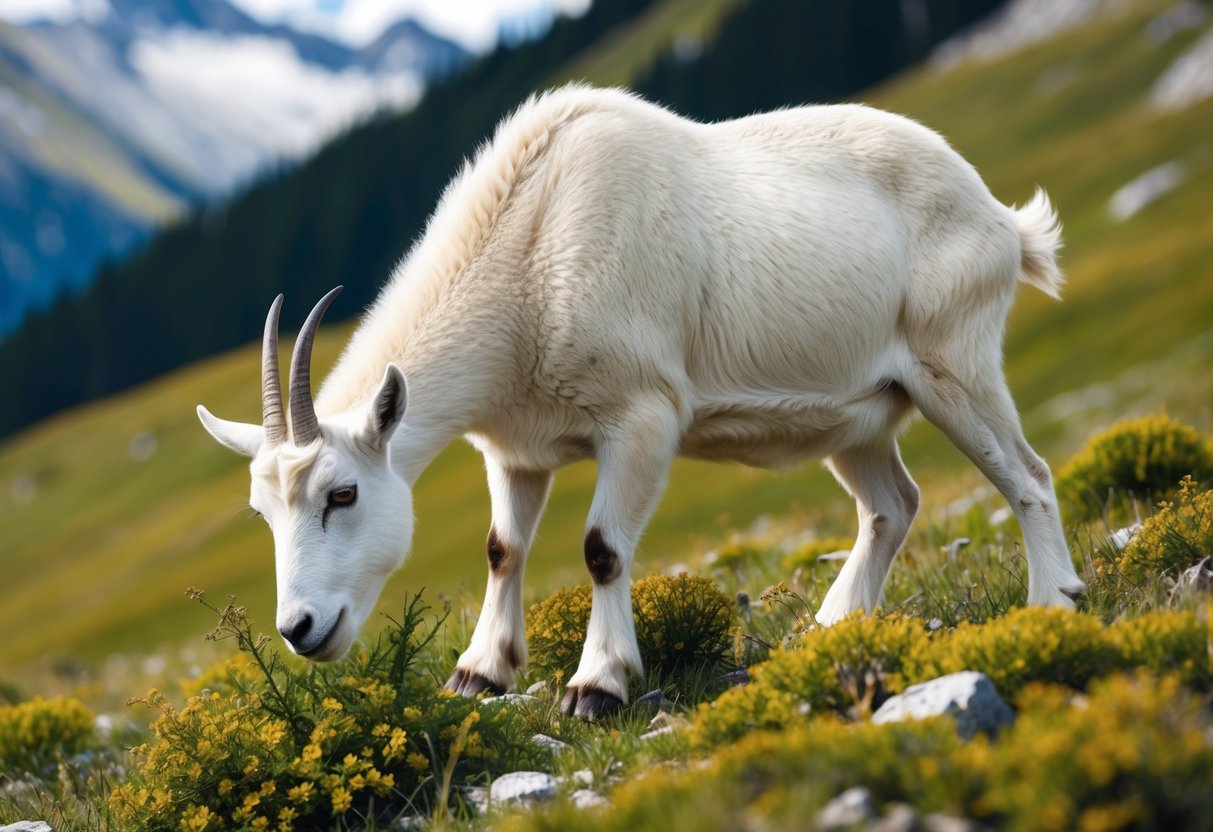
[
  {"x": 498, "y": 646},
  {"x": 633, "y": 466}
]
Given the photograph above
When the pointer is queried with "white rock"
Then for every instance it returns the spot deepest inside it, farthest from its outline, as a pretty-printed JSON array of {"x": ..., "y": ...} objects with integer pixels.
[
  {"x": 538, "y": 688},
  {"x": 1140, "y": 191},
  {"x": 477, "y": 797},
  {"x": 587, "y": 799},
  {"x": 509, "y": 699},
  {"x": 1198, "y": 577},
  {"x": 1187, "y": 80},
  {"x": 1121, "y": 537},
  {"x": 848, "y": 810},
  {"x": 968, "y": 696},
  {"x": 550, "y": 743},
  {"x": 583, "y": 777},
  {"x": 27, "y": 826},
  {"x": 523, "y": 787}
]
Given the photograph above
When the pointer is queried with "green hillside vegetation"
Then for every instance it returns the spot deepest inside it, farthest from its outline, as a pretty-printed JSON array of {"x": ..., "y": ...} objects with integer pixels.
[{"x": 96, "y": 548}]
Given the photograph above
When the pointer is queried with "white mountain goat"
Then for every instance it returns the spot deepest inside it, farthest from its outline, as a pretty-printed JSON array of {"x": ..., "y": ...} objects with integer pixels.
[{"x": 609, "y": 280}]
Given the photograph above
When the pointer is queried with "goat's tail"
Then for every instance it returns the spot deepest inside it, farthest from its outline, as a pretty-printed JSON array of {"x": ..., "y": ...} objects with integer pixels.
[{"x": 1039, "y": 239}]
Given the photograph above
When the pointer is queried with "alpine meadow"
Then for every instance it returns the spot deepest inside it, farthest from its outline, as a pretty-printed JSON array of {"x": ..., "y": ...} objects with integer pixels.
[{"x": 143, "y": 683}]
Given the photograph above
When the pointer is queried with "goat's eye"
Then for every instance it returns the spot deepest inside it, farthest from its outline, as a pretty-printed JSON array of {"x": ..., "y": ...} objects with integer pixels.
[{"x": 344, "y": 496}]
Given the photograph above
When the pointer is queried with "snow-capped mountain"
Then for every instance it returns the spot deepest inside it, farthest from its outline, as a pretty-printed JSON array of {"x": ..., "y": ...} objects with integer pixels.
[{"x": 113, "y": 122}]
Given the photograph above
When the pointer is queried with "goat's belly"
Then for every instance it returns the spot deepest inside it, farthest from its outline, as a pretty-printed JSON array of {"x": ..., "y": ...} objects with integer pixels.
[{"x": 786, "y": 431}]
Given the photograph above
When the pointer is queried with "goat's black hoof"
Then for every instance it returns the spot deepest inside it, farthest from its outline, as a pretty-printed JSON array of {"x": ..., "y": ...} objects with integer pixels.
[
  {"x": 589, "y": 703},
  {"x": 469, "y": 684},
  {"x": 1077, "y": 592}
]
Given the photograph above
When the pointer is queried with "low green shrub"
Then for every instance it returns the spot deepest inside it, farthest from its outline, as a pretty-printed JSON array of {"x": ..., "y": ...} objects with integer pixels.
[
  {"x": 1025, "y": 645},
  {"x": 1144, "y": 457},
  {"x": 1136, "y": 753},
  {"x": 828, "y": 669},
  {"x": 36, "y": 735},
  {"x": 735, "y": 554},
  {"x": 1177, "y": 535},
  {"x": 682, "y": 622},
  {"x": 289, "y": 747}
]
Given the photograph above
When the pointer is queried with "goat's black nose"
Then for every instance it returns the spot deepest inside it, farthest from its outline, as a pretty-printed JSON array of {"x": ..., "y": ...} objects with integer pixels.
[{"x": 295, "y": 630}]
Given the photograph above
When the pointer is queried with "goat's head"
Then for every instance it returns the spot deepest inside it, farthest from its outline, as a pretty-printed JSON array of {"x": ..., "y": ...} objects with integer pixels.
[{"x": 341, "y": 516}]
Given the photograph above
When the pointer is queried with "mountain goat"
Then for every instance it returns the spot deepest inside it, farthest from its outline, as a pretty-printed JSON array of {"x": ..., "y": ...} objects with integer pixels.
[{"x": 610, "y": 280}]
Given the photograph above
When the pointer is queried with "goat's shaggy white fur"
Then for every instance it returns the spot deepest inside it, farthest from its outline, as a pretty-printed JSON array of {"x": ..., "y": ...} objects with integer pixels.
[{"x": 609, "y": 280}]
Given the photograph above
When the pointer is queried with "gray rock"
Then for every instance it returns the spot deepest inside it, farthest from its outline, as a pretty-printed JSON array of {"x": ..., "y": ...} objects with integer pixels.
[
  {"x": 968, "y": 696},
  {"x": 653, "y": 699},
  {"x": 523, "y": 787},
  {"x": 27, "y": 826},
  {"x": 410, "y": 823},
  {"x": 736, "y": 677},
  {"x": 849, "y": 809},
  {"x": 550, "y": 743},
  {"x": 588, "y": 799},
  {"x": 1198, "y": 577},
  {"x": 583, "y": 777},
  {"x": 539, "y": 688}
]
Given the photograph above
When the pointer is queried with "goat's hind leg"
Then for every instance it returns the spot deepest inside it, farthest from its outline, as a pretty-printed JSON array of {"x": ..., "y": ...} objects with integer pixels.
[
  {"x": 978, "y": 414},
  {"x": 887, "y": 501},
  {"x": 498, "y": 645}
]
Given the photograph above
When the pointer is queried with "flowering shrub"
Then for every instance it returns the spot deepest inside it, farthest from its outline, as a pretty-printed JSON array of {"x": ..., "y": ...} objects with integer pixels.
[
  {"x": 846, "y": 667},
  {"x": 682, "y": 622},
  {"x": 36, "y": 735},
  {"x": 1027, "y": 644},
  {"x": 827, "y": 669},
  {"x": 1177, "y": 535},
  {"x": 1133, "y": 754},
  {"x": 1145, "y": 457},
  {"x": 735, "y": 554},
  {"x": 286, "y": 748}
]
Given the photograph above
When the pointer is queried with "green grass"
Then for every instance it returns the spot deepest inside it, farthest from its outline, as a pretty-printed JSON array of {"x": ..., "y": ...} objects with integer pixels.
[{"x": 99, "y": 559}]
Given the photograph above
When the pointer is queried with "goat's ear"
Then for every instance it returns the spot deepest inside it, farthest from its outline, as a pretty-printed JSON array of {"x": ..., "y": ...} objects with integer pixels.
[
  {"x": 387, "y": 408},
  {"x": 241, "y": 437}
]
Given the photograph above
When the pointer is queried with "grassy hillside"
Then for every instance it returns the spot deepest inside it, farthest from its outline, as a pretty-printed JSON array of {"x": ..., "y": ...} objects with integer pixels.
[{"x": 96, "y": 549}]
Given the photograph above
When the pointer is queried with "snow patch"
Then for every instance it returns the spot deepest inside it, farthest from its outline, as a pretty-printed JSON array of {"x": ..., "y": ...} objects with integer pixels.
[
  {"x": 1144, "y": 189},
  {"x": 285, "y": 107},
  {"x": 1187, "y": 80},
  {"x": 1021, "y": 23}
]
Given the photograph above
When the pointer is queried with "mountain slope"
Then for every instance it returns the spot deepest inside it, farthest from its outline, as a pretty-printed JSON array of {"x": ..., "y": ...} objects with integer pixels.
[
  {"x": 97, "y": 547},
  {"x": 132, "y": 116}
]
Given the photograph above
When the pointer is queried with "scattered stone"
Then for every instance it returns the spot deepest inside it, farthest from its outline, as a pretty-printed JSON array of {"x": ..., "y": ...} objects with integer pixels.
[
  {"x": 956, "y": 545},
  {"x": 475, "y": 796},
  {"x": 410, "y": 823},
  {"x": 1187, "y": 80},
  {"x": 509, "y": 699},
  {"x": 538, "y": 689},
  {"x": 657, "y": 732},
  {"x": 735, "y": 678},
  {"x": 550, "y": 743},
  {"x": 588, "y": 799},
  {"x": 848, "y": 810},
  {"x": 969, "y": 696},
  {"x": 1121, "y": 537},
  {"x": 523, "y": 787},
  {"x": 27, "y": 826},
  {"x": 935, "y": 624},
  {"x": 1198, "y": 577},
  {"x": 1140, "y": 191},
  {"x": 902, "y": 817},
  {"x": 939, "y": 822},
  {"x": 830, "y": 557},
  {"x": 653, "y": 699},
  {"x": 582, "y": 777}
]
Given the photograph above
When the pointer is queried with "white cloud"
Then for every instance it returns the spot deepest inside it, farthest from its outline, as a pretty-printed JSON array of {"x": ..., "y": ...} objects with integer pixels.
[
  {"x": 473, "y": 23},
  {"x": 24, "y": 11}
]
